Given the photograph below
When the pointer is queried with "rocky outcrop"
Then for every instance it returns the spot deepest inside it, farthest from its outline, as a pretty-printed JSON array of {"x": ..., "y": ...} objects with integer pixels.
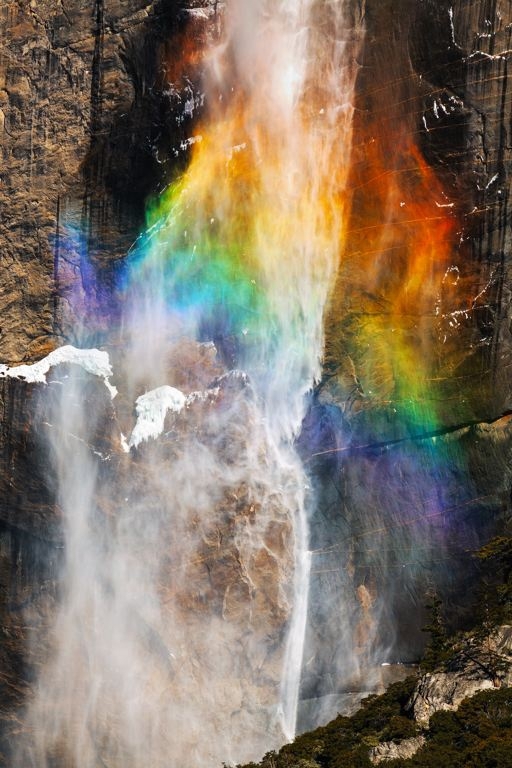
[
  {"x": 479, "y": 663},
  {"x": 446, "y": 691},
  {"x": 478, "y": 666},
  {"x": 389, "y": 750}
]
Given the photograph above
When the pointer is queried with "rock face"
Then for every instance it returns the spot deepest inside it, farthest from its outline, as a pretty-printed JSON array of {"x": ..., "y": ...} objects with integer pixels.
[
  {"x": 474, "y": 670},
  {"x": 88, "y": 130},
  {"x": 178, "y": 554},
  {"x": 408, "y": 440},
  {"x": 390, "y": 751}
]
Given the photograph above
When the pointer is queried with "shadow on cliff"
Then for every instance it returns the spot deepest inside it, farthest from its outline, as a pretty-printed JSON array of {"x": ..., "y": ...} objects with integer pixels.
[{"x": 135, "y": 151}]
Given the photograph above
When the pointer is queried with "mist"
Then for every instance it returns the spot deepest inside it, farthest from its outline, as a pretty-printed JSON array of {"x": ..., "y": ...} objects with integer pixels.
[{"x": 183, "y": 592}]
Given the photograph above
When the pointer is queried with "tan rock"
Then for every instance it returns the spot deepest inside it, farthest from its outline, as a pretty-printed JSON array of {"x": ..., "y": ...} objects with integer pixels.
[
  {"x": 440, "y": 691},
  {"x": 402, "y": 750}
]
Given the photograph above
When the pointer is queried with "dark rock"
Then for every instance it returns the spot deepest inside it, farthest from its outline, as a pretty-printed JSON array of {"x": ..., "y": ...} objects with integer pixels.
[
  {"x": 408, "y": 437},
  {"x": 90, "y": 126}
]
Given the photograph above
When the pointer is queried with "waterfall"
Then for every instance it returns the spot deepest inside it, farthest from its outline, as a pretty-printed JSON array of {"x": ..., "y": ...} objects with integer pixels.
[
  {"x": 276, "y": 148},
  {"x": 182, "y": 612}
]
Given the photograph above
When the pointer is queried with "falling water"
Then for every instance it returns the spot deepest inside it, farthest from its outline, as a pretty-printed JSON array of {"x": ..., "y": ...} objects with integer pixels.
[
  {"x": 275, "y": 153},
  {"x": 179, "y": 635}
]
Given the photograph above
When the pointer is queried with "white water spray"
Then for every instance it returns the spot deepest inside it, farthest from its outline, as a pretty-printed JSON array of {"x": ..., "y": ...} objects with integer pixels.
[{"x": 180, "y": 629}]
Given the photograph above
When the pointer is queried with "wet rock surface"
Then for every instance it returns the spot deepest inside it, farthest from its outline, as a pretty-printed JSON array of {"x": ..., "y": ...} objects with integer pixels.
[
  {"x": 89, "y": 123},
  {"x": 188, "y": 521},
  {"x": 408, "y": 437},
  {"x": 435, "y": 82}
]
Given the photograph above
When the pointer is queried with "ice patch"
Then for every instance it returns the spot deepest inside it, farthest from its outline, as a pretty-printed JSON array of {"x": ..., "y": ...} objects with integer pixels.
[
  {"x": 151, "y": 409},
  {"x": 93, "y": 361}
]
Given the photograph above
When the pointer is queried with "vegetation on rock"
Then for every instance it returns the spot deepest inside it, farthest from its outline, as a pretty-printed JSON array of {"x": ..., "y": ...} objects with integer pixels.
[{"x": 477, "y": 735}]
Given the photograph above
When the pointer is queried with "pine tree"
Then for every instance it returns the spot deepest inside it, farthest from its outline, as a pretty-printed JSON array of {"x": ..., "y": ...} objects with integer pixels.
[{"x": 438, "y": 647}]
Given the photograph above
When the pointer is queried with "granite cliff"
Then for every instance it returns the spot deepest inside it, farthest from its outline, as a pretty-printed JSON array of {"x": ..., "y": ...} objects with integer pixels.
[{"x": 408, "y": 439}]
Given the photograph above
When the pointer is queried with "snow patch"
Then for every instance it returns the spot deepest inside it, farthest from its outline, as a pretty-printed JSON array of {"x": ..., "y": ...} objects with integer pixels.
[
  {"x": 186, "y": 143},
  {"x": 236, "y": 149},
  {"x": 491, "y": 182},
  {"x": 93, "y": 361},
  {"x": 200, "y": 13},
  {"x": 452, "y": 25},
  {"x": 203, "y": 396},
  {"x": 490, "y": 56},
  {"x": 151, "y": 409}
]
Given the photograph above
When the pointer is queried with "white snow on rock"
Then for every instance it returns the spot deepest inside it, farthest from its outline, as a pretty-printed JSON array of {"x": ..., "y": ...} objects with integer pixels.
[
  {"x": 93, "y": 361},
  {"x": 151, "y": 409}
]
